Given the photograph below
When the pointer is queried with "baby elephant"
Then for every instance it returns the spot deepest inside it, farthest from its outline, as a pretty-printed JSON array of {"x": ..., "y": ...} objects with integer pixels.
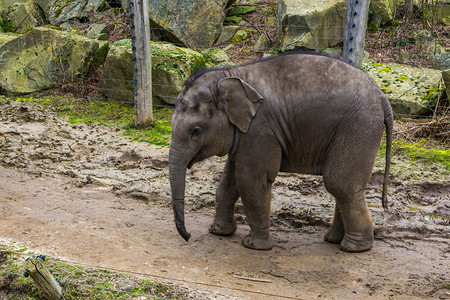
[{"x": 299, "y": 113}]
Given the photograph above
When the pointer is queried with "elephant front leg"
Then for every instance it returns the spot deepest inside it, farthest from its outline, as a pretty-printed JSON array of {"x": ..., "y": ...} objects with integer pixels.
[
  {"x": 256, "y": 195},
  {"x": 226, "y": 197}
]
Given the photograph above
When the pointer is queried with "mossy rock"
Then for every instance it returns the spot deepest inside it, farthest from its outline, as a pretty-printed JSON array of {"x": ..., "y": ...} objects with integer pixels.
[
  {"x": 412, "y": 91},
  {"x": 171, "y": 67},
  {"x": 44, "y": 58},
  {"x": 227, "y": 34},
  {"x": 6, "y": 37},
  {"x": 311, "y": 24},
  {"x": 240, "y": 10},
  {"x": 216, "y": 58},
  {"x": 241, "y": 35},
  {"x": 20, "y": 17}
]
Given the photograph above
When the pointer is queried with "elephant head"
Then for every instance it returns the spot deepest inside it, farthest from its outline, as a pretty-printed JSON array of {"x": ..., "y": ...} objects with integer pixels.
[{"x": 210, "y": 112}]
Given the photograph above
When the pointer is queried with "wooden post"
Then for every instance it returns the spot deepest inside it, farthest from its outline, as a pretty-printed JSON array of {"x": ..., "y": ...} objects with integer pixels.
[
  {"x": 34, "y": 267},
  {"x": 142, "y": 65},
  {"x": 355, "y": 31}
]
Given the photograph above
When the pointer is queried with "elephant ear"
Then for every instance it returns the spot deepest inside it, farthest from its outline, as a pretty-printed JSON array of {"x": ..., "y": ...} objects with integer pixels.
[{"x": 240, "y": 100}]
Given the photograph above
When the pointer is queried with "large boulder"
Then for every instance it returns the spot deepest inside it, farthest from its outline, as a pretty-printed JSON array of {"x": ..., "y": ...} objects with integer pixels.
[
  {"x": 171, "y": 66},
  {"x": 44, "y": 58},
  {"x": 193, "y": 23},
  {"x": 311, "y": 24},
  {"x": 383, "y": 10},
  {"x": 60, "y": 11},
  {"x": 6, "y": 37},
  {"x": 20, "y": 16},
  {"x": 6, "y": 3},
  {"x": 412, "y": 91}
]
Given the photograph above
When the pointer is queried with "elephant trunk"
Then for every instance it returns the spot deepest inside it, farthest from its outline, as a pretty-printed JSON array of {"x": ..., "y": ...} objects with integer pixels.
[{"x": 177, "y": 173}]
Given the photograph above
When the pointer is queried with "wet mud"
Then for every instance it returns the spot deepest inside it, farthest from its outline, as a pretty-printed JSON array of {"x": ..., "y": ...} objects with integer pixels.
[{"x": 87, "y": 194}]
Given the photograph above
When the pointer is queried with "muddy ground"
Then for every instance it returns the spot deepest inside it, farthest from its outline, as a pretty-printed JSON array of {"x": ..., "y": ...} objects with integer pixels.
[{"x": 86, "y": 194}]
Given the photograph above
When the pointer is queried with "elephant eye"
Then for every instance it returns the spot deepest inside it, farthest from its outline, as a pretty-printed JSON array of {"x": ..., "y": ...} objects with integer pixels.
[{"x": 195, "y": 131}]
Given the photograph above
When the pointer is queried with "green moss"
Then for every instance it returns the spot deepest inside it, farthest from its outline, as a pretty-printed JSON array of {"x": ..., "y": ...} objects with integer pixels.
[
  {"x": 384, "y": 70},
  {"x": 120, "y": 115},
  {"x": 6, "y": 26},
  {"x": 431, "y": 93},
  {"x": 416, "y": 151},
  {"x": 158, "y": 134},
  {"x": 416, "y": 160},
  {"x": 240, "y": 10}
]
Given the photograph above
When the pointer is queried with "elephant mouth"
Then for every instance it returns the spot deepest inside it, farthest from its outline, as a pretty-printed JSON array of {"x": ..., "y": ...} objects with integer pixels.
[{"x": 195, "y": 159}]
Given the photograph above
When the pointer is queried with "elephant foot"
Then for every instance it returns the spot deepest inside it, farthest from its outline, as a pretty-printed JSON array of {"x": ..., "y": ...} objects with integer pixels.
[
  {"x": 352, "y": 243},
  {"x": 334, "y": 235},
  {"x": 223, "y": 228},
  {"x": 256, "y": 243}
]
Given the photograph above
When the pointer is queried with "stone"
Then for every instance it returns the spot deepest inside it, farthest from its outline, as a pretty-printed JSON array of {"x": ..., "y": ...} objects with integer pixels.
[
  {"x": 374, "y": 23},
  {"x": 333, "y": 52},
  {"x": 419, "y": 36},
  {"x": 262, "y": 44},
  {"x": 240, "y": 10},
  {"x": 412, "y": 91},
  {"x": 65, "y": 26},
  {"x": 434, "y": 48},
  {"x": 446, "y": 20},
  {"x": 61, "y": 11},
  {"x": 216, "y": 58},
  {"x": 6, "y": 3},
  {"x": 20, "y": 16},
  {"x": 95, "y": 6},
  {"x": 233, "y": 19},
  {"x": 6, "y": 37},
  {"x": 193, "y": 23},
  {"x": 241, "y": 34},
  {"x": 44, "y": 58},
  {"x": 43, "y": 5},
  {"x": 383, "y": 11},
  {"x": 441, "y": 61},
  {"x": 171, "y": 66},
  {"x": 310, "y": 24},
  {"x": 117, "y": 79},
  {"x": 227, "y": 34},
  {"x": 98, "y": 31}
]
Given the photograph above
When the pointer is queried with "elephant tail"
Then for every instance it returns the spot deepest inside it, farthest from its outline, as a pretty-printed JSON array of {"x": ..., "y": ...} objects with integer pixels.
[{"x": 389, "y": 123}]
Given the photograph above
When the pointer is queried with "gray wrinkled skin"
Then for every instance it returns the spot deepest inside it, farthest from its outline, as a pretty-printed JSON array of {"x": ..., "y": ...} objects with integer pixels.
[{"x": 292, "y": 113}]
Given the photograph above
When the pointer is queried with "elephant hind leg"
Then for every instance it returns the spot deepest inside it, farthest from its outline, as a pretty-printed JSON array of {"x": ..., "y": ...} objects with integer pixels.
[
  {"x": 351, "y": 212},
  {"x": 346, "y": 182},
  {"x": 358, "y": 225}
]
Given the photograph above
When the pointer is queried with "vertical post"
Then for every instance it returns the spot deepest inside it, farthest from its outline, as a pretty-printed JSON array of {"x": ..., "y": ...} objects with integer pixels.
[
  {"x": 34, "y": 267},
  {"x": 355, "y": 31},
  {"x": 142, "y": 66}
]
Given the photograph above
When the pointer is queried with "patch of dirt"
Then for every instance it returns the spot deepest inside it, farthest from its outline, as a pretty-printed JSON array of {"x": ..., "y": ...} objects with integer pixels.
[{"x": 85, "y": 194}]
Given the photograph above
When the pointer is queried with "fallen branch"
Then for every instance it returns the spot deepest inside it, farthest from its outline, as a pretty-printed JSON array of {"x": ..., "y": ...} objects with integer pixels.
[{"x": 252, "y": 279}]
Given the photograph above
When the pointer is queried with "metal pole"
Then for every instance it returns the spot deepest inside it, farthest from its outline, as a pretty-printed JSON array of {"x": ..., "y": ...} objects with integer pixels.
[
  {"x": 142, "y": 66},
  {"x": 355, "y": 31}
]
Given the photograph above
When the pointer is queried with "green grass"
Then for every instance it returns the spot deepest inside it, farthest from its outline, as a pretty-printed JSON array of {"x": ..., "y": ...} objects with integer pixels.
[
  {"x": 77, "y": 281},
  {"x": 120, "y": 115}
]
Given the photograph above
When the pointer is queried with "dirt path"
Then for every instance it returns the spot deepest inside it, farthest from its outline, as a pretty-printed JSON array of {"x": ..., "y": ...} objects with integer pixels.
[{"x": 87, "y": 195}]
